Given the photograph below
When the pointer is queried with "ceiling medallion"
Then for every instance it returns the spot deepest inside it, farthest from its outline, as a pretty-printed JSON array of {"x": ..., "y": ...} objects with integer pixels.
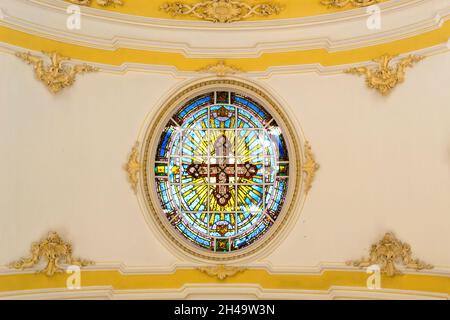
[
  {"x": 354, "y": 3},
  {"x": 223, "y": 11},
  {"x": 310, "y": 167},
  {"x": 220, "y": 69},
  {"x": 385, "y": 77},
  {"x": 133, "y": 166},
  {"x": 221, "y": 272},
  {"x": 56, "y": 76},
  {"x": 54, "y": 250},
  {"x": 103, "y": 3},
  {"x": 387, "y": 253}
]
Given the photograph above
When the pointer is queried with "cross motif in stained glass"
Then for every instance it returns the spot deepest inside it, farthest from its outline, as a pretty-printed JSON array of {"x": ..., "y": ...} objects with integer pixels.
[{"x": 221, "y": 171}]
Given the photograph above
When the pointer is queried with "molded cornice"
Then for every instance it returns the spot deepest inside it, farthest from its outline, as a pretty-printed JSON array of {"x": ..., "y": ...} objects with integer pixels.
[{"x": 334, "y": 32}]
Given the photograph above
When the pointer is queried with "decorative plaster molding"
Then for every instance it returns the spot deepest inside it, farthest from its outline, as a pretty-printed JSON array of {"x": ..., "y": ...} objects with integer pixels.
[
  {"x": 133, "y": 167},
  {"x": 310, "y": 167},
  {"x": 103, "y": 3},
  {"x": 221, "y": 272},
  {"x": 220, "y": 69},
  {"x": 353, "y": 3},
  {"x": 385, "y": 77},
  {"x": 386, "y": 253},
  {"x": 223, "y": 11},
  {"x": 223, "y": 292},
  {"x": 54, "y": 250},
  {"x": 109, "y": 30},
  {"x": 55, "y": 76},
  {"x": 173, "y": 71},
  {"x": 290, "y": 286}
]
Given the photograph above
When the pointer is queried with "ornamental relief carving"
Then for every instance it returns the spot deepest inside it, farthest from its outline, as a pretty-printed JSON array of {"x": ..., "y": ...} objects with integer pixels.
[
  {"x": 221, "y": 272},
  {"x": 386, "y": 76},
  {"x": 220, "y": 69},
  {"x": 55, "y": 251},
  {"x": 103, "y": 3},
  {"x": 221, "y": 11},
  {"x": 353, "y": 3},
  {"x": 133, "y": 167},
  {"x": 388, "y": 253},
  {"x": 56, "y": 75}
]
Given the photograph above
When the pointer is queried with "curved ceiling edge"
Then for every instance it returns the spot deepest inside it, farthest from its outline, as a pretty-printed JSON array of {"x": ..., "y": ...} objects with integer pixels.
[
  {"x": 17, "y": 40},
  {"x": 337, "y": 36},
  {"x": 292, "y": 11}
]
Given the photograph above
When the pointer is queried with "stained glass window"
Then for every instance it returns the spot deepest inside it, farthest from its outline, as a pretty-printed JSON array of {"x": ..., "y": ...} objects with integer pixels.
[{"x": 221, "y": 171}]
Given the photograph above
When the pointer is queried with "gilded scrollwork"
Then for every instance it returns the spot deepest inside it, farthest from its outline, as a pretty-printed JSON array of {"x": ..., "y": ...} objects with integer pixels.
[
  {"x": 353, "y": 3},
  {"x": 385, "y": 77},
  {"x": 388, "y": 252},
  {"x": 103, "y": 3},
  {"x": 223, "y": 11},
  {"x": 55, "y": 251},
  {"x": 310, "y": 167},
  {"x": 56, "y": 75},
  {"x": 221, "y": 272},
  {"x": 220, "y": 69},
  {"x": 133, "y": 167}
]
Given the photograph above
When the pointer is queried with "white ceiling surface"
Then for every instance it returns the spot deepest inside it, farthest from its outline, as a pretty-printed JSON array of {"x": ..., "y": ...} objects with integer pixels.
[
  {"x": 337, "y": 31},
  {"x": 385, "y": 166}
]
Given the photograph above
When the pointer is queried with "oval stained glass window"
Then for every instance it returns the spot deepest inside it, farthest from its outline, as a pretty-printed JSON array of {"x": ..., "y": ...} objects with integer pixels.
[{"x": 221, "y": 171}]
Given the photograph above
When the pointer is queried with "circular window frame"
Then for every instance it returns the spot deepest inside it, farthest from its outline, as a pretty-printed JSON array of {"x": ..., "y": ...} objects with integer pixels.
[{"x": 149, "y": 148}]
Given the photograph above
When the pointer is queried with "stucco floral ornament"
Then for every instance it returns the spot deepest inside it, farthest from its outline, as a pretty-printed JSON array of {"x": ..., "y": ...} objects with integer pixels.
[
  {"x": 388, "y": 252},
  {"x": 53, "y": 249},
  {"x": 221, "y": 11},
  {"x": 103, "y": 3}
]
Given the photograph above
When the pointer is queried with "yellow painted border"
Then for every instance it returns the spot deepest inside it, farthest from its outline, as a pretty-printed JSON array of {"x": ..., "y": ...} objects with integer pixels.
[
  {"x": 266, "y": 60},
  {"x": 181, "y": 277},
  {"x": 291, "y": 9}
]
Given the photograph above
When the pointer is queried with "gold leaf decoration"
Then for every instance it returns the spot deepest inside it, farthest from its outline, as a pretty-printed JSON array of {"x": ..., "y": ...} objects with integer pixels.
[
  {"x": 344, "y": 3},
  {"x": 220, "y": 69},
  {"x": 103, "y": 3},
  {"x": 133, "y": 167},
  {"x": 387, "y": 252},
  {"x": 55, "y": 251},
  {"x": 56, "y": 76},
  {"x": 221, "y": 272},
  {"x": 223, "y": 11},
  {"x": 385, "y": 77},
  {"x": 310, "y": 167}
]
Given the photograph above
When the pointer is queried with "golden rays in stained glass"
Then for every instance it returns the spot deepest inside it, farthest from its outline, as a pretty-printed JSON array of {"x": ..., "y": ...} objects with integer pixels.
[{"x": 222, "y": 170}]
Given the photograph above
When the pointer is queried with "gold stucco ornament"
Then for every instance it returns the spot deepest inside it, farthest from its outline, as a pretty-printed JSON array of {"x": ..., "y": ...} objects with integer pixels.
[
  {"x": 385, "y": 77},
  {"x": 221, "y": 272},
  {"x": 55, "y": 251},
  {"x": 220, "y": 69},
  {"x": 222, "y": 11},
  {"x": 56, "y": 75},
  {"x": 133, "y": 166},
  {"x": 103, "y": 3},
  {"x": 310, "y": 167},
  {"x": 388, "y": 252},
  {"x": 353, "y": 3}
]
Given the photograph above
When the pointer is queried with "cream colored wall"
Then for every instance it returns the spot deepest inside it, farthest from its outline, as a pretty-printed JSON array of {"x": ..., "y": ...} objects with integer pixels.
[{"x": 385, "y": 165}]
